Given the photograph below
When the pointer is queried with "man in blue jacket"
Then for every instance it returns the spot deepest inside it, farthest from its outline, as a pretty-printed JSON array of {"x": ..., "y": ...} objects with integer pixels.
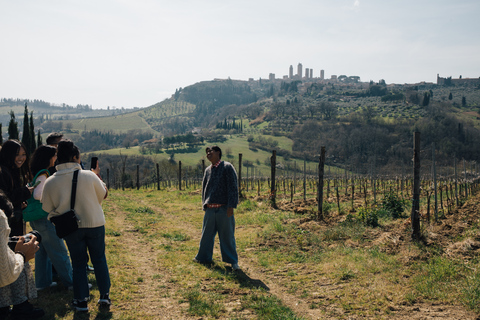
[{"x": 219, "y": 199}]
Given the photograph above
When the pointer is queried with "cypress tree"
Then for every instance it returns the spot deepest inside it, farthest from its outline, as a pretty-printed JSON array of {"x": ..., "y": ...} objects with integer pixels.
[
  {"x": 32, "y": 134},
  {"x": 39, "y": 139},
  {"x": 12, "y": 127},
  {"x": 26, "y": 131}
]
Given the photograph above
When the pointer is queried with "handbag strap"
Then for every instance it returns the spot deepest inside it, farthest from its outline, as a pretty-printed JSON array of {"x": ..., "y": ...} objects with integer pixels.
[
  {"x": 43, "y": 171},
  {"x": 74, "y": 189}
]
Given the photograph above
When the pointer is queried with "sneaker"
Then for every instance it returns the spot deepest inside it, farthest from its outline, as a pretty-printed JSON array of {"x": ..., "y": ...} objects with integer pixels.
[
  {"x": 53, "y": 284},
  {"x": 202, "y": 262},
  {"x": 80, "y": 305},
  {"x": 235, "y": 266},
  {"x": 25, "y": 311},
  {"x": 104, "y": 300},
  {"x": 90, "y": 268}
]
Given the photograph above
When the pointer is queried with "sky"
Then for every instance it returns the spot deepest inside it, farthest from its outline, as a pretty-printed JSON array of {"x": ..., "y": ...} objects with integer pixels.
[{"x": 135, "y": 53}]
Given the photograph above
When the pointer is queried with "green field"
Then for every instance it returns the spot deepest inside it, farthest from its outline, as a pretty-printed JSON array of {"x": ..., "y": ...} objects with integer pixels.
[{"x": 117, "y": 124}]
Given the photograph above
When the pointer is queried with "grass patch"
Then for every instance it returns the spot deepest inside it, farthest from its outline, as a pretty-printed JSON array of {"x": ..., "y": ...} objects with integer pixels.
[{"x": 268, "y": 308}]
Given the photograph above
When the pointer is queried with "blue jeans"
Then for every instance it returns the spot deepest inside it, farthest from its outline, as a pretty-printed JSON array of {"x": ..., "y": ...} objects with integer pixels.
[
  {"x": 52, "y": 251},
  {"x": 216, "y": 220},
  {"x": 93, "y": 240}
]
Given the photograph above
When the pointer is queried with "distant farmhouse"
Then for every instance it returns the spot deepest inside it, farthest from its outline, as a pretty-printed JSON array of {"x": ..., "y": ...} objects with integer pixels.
[{"x": 460, "y": 81}]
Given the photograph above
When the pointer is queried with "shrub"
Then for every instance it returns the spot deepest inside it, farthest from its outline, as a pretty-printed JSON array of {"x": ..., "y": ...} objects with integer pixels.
[
  {"x": 393, "y": 205},
  {"x": 368, "y": 217}
]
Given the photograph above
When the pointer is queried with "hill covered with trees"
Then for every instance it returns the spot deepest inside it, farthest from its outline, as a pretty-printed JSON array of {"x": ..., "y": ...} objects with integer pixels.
[{"x": 361, "y": 124}]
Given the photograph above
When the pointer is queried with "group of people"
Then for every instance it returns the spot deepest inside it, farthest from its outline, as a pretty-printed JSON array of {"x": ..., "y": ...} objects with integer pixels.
[
  {"x": 36, "y": 190},
  {"x": 39, "y": 190}
]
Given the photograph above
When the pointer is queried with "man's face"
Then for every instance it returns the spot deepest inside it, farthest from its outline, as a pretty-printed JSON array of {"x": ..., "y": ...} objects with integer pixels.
[{"x": 213, "y": 156}]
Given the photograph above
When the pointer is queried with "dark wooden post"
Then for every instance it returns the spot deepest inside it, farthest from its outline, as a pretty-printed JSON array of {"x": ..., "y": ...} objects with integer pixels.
[
  {"x": 108, "y": 178},
  {"x": 158, "y": 177},
  {"x": 179, "y": 175},
  {"x": 456, "y": 180},
  {"x": 240, "y": 175},
  {"x": 435, "y": 181},
  {"x": 138, "y": 176},
  {"x": 415, "y": 215},
  {"x": 305, "y": 179},
  {"x": 273, "y": 164},
  {"x": 321, "y": 171}
]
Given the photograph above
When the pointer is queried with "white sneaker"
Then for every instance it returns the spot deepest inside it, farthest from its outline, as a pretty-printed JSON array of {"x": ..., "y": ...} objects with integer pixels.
[
  {"x": 105, "y": 300},
  {"x": 235, "y": 266}
]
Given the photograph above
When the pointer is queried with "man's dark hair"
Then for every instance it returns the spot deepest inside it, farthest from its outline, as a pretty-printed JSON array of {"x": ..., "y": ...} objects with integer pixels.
[
  {"x": 52, "y": 137},
  {"x": 215, "y": 148},
  {"x": 66, "y": 151}
]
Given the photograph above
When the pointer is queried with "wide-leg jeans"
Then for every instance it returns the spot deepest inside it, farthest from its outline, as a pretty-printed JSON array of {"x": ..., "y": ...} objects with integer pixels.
[
  {"x": 93, "y": 240},
  {"x": 52, "y": 251},
  {"x": 216, "y": 221}
]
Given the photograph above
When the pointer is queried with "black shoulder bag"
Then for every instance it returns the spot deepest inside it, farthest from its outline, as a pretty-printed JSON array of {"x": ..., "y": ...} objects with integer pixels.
[{"x": 67, "y": 223}]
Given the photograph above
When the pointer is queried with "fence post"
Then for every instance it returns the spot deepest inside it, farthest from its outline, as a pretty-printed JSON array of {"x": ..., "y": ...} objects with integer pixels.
[
  {"x": 456, "y": 179},
  {"x": 321, "y": 171},
  {"x": 158, "y": 177},
  {"x": 138, "y": 176},
  {"x": 240, "y": 175},
  {"x": 179, "y": 175},
  {"x": 465, "y": 177},
  {"x": 435, "y": 181},
  {"x": 415, "y": 215},
  {"x": 273, "y": 164},
  {"x": 305, "y": 179}
]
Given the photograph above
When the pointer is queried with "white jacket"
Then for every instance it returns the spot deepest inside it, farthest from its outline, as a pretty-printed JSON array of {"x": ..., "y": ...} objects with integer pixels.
[
  {"x": 11, "y": 264},
  {"x": 88, "y": 202}
]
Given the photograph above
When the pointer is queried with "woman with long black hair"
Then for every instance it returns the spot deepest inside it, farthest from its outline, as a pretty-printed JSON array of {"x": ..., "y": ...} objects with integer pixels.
[
  {"x": 52, "y": 248},
  {"x": 14, "y": 176}
]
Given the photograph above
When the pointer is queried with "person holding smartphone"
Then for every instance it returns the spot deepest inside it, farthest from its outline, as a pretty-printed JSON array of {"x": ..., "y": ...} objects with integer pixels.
[
  {"x": 52, "y": 249},
  {"x": 17, "y": 285},
  {"x": 90, "y": 235}
]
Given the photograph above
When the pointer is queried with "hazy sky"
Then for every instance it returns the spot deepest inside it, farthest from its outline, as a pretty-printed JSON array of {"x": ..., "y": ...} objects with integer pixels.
[{"x": 134, "y": 53}]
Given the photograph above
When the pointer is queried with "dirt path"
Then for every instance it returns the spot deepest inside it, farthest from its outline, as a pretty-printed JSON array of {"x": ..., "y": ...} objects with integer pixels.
[{"x": 155, "y": 293}]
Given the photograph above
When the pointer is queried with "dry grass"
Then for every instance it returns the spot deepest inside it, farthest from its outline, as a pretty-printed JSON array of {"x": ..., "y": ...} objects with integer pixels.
[{"x": 293, "y": 267}]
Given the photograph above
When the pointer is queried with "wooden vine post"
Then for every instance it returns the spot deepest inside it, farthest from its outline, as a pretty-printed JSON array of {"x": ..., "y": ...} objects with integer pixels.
[
  {"x": 240, "y": 176},
  {"x": 273, "y": 164},
  {"x": 321, "y": 171},
  {"x": 415, "y": 215},
  {"x": 179, "y": 175},
  {"x": 138, "y": 177},
  {"x": 158, "y": 177}
]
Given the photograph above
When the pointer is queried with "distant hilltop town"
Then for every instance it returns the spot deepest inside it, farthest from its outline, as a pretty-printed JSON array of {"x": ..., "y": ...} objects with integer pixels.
[
  {"x": 309, "y": 75},
  {"x": 449, "y": 81}
]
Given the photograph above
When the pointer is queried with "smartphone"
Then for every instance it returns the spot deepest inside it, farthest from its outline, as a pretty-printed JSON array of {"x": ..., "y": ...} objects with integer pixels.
[
  {"x": 93, "y": 164},
  {"x": 35, "y": 184}
]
